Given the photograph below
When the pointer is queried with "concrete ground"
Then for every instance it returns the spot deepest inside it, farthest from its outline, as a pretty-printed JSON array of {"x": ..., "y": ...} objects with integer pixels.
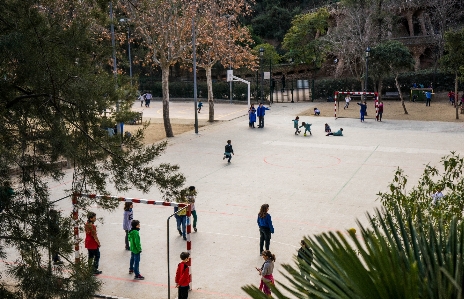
[{"x": 313, "y": 184}]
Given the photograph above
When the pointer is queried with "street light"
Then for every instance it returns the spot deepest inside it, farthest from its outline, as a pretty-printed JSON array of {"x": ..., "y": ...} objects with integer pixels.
[
  {"x": 261, "y": 54},
  {"x": 368, "y": 52},
  {"x": 128, "y": 47}
]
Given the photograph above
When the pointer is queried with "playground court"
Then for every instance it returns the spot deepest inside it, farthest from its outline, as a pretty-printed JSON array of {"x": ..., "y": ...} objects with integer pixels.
[{"x": 313, "y": 184}]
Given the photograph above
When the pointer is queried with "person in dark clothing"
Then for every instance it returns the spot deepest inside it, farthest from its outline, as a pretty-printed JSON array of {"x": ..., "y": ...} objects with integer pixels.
[
  {"x": 304, "y": 257},
  {"x": 229, "y": 151},
  {"x": 54, "y": 231},
  {"x": 265, "y": 227},
  {"x": 363, "y": 110}
]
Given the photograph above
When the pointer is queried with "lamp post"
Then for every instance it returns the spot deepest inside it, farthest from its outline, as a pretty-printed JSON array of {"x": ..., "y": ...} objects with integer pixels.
[
  {"x": 128, "y": 47},
  {"x": 261, "y": 54},
  {"x": 368, "y": 52}
]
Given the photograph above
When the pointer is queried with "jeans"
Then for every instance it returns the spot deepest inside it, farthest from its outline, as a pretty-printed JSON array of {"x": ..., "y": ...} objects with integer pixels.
[
  {"x": 362, "y": 115},
  {"x": 195, "y": 217},
  {"x": 261, "y": 121},
  {"x": 264, "y": 237},
  {"x": 127, "y": 240},
  {"x": 183, "y": 292},
  {"x": 229, "y": 156},
  {"x": 94, "y": 254},
  {"x": 134, "y": 263},
  {"x": 427, "y": 102},
  {"x": 182, "y": 220}
]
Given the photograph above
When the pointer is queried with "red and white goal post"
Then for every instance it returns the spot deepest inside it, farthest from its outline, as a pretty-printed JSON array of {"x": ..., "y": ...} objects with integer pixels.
[
  {"x": 360, "y": 93},
  {"x": 75, "y": 216}
]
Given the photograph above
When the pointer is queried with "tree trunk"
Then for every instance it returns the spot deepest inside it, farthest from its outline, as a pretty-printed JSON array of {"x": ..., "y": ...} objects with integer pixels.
[
  {"x": 209, "y": 86},
  {"x": 379, "y": 90},
  {"x": 401, "y": 95},
  {"x": 456, "y": 95},
  {"x": 165, "y": 83}
]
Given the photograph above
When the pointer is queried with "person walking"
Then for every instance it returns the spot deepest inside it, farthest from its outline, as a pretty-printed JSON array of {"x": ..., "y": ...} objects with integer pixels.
[
  {"x": 362, "y": 110},
  {"x": 304, "y": 258},
  {"x": 380, "y": 113},
  {"x": 428, "y": 98},
  {"x": 183, "y": 276},
  {"x": 141, "y": 99},
  {"x": 265, "y": 227},
  {"x": 261, "y": 111},
  {"x": 266, "y": 271},
  {"x": 200, "y": 104},
  {"x": 252, "y": 116},
  {"x": 127, "y": 220},
  {"x": 92, "y": 243},
  {"x": 181, "y": 221},
  {"x": 136, "y": 250},
  {"x": 148, "y": 98},
  {"x": 228, "y": 151},
  {"x": 192, "y": 193},
  {"x": 55, "y": 235}
]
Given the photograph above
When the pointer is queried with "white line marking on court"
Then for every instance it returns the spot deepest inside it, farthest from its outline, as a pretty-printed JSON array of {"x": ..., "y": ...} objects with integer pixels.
[{"x": 222, "y": 234}]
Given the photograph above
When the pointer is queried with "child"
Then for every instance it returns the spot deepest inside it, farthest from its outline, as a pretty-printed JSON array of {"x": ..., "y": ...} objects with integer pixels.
[
  {"x": 126, "y": 222},
  {"x": 307, "y": 128},
  {"x": 295, "y": 125},
  {"x": 228, "y": 151},
  {"x": 191, "y": 199},
  {"x": 304, "y": 257},
  {"x": 200, "y": 104},
  {"x": 317, "y": 112},
  {"x": 266, "y": 272},
  {"x": 141, "y": 99},
  {"x": 338, "y": 133},
  {"x": 437, "y": 196},
  {"x": 136, "y": 250},
  {"x": 347, "y": 101},
  {"x": 252, "y": 116},
  {"x": 183, "y": 276},
  {"x": 92, "y": 243},
  {"x": 327, "y": 128}
]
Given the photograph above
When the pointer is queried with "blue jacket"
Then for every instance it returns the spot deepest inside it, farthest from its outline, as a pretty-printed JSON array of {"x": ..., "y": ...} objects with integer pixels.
[
  {"x": 252, "y": 115},
  {"x": 261, "y": 111},
  {"x": 295, "y": 123},
  {"x": 363, "y": 107},
  {"x": 266, "y": 222}
]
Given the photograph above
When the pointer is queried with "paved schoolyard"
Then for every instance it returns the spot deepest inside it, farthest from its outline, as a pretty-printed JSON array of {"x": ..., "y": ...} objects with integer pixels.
[{"x": 313, "y": 184}]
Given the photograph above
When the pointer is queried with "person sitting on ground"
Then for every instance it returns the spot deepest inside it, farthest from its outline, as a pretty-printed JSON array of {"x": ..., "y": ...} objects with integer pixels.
[
  {"x": 307, "y": 128},
  {"x": 317, "y": 112},
  {"x": 338, "y": 133},
  {"x": 327, "y": 128}
]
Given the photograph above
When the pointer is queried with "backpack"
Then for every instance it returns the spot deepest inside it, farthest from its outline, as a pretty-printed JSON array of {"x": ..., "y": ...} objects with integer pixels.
[{"x": 228, "y": 148}]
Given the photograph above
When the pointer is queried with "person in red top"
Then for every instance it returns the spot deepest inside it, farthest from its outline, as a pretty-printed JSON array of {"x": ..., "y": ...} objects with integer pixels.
[
  {"x": 183, "y": 276},
  {"x": 91, "y": 242}
]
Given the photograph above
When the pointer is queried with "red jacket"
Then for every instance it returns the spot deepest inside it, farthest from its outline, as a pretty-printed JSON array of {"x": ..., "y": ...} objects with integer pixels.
[
  {"x": 183, "y": 274},
  {"x": 91, "y": 239}
]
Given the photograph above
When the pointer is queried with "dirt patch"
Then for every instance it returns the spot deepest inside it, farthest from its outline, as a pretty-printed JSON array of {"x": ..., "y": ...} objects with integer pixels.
[
  {"x": 155, "y": 131},
  {"x": 440, "y": 110}
]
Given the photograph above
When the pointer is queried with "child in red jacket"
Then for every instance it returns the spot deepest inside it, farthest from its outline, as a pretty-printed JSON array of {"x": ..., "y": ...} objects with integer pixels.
[{"x": 183, "y": 276}]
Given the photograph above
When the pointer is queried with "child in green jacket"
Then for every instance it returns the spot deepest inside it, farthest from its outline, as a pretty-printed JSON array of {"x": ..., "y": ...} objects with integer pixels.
[
  {"x": 136, "y": 249},
  {"x": 307, "y": 128}
]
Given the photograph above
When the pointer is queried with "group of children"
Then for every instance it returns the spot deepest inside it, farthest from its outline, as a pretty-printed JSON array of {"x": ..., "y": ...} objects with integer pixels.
[{"x": 307, "y": 127}]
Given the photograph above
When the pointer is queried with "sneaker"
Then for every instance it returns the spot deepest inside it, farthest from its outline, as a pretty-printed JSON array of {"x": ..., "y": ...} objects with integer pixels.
[
  {"x": 180, "y": 232},
  {"x": 139, "y": 277},
  {"x": 96, "y": 272},
  {"x": 195, "y": 229},
  {"x": 185, "y": 238},
  {"x": 131, "y": 271},
  {"x": 223, "y": 157}
]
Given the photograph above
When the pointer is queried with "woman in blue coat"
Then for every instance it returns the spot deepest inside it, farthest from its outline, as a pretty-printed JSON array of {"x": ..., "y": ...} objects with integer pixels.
[{"x": 252, "y": 116}]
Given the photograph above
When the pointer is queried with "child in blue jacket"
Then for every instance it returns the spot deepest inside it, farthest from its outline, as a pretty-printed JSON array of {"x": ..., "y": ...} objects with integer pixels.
[
  {"x": 307, "y": 128},
  {"x": 295, "y": 125}
]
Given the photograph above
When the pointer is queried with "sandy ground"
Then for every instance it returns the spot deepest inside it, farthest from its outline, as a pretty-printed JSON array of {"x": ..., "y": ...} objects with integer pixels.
[{"x": 392, "y": 109}]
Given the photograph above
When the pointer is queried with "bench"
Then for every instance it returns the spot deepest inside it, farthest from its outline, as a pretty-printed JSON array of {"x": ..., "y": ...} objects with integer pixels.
[{"x": 391, "y": 94}]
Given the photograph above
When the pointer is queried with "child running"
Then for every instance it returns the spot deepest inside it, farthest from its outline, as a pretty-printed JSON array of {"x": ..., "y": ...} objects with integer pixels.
[
  {"x": 136, "y": 250},
  {"x": 200, "y": 104},
  {"x": 183, "y": 276},
  {"x": 338, "y": 133},
  {"x": 229, "y": 151},
  {"x": 295, "y": 125},
  {"x": 327, "y": 128},
  {"x": 307, "y": 128},
  {"x": 126, "y": 222}
]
